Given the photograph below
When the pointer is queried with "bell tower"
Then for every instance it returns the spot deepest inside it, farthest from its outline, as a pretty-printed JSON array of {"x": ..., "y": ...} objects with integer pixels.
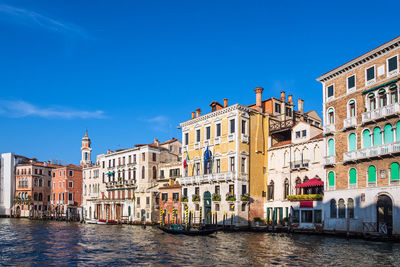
[{"x": 86, "y": 150}]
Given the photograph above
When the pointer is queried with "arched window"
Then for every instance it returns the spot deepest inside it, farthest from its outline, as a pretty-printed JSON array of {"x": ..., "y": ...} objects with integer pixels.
[
  {"x": 35, "y": 197},
  {"x": 298, "y": 190},
  {"x": 305, "y": 155},
  {"x": 271, "y": 191},
  {"x": 393, "y": 94},
  {"x": 286, "y": 188},
  {"x": 331, "y": 116},
  {"x": 382, "y": 98},
  {"x": 40, "y": 182},
  {"x": 350, "y": 208},
  {"x": 286, "y": 159},
  {"x": 372, "y": 101},
  {"x": 352, "y": 108},
  {"x": 366, "y": 138},
  {"x": 316, "y": 153},
  {"x": 377, "y": 136},
  {"x": 154, "y": 172},
  {"x": 19, "y": 195},
  {"x": 342, "y": 208},
  {"x": 331, "y": 147},
  {"x": 394, "y": 171},
  {"x": 297, "y": 155},
  {"x": 333, "y": 208},
  {"x": 353, "y": 176},
  {"x": 40, "y": 197},
  {"x": 85, "y": 190},
  {"x": 352, "y": 142},
  {"x": 371, "y": 174},
  {"x": 331, "y": 178},
  {"x": 143, "y": 172},
  {"x": 388, "y": 134}
]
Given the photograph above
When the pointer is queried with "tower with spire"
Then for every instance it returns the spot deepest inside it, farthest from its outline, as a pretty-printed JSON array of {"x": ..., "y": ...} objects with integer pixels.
[{"x": 86, "y": 150}]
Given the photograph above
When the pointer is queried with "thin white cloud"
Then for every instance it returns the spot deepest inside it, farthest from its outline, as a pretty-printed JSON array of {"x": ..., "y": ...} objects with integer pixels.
[
  {"x": 33, "y": 19},
  {"x": 20, "y": 109},
  {"x": 159, "y": 123},
  {"x": 158, "y": 119}
]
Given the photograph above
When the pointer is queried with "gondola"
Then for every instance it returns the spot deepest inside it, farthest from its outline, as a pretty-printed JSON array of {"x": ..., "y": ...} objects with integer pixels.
[{"x": 188, "y": 232}]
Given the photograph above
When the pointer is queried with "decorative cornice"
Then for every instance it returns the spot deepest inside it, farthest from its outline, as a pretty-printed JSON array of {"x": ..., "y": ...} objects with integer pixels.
[{"x": 379, "y": 51}]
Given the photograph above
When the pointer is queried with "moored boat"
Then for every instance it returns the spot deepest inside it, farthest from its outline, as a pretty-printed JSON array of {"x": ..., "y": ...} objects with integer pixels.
[
  {"x": 91, "y": 221},
  {"x": 101, "y": 221},
  {"x": 182, "y": 231}
]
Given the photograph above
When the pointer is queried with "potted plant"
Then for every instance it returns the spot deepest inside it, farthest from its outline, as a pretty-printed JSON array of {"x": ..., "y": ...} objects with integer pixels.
[
  {"x": 184, "y": 198},
  {"x": 195, "y": 198},
  {"x": 216, "y": 197},
  {"x": 230, "y": 197},
  {"x": 245, "y": 197}
]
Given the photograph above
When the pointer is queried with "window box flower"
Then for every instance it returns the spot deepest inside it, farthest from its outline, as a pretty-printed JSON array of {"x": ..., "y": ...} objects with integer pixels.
[
  {"x": 216, "y": 197},
  {"x": 195, "y": 198},
  {"x": 230, "y": 197},
  {"x": 305, "y": 197},
  {"x": 245, "y": 197}
]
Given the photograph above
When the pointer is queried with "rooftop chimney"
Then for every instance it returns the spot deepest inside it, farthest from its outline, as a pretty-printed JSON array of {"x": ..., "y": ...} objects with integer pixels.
[
  {"x": 300, "y": 105},
  {"x": 259, "y": 91},
  {"x": 225, "y": 102},
  {"x": 198, "y": 112},
  {"x": 290, "y": 99},
  {"x": 193, "y": 115},
  {"x": 283, "y": 98},
  {"x": 156, "y": 142}
]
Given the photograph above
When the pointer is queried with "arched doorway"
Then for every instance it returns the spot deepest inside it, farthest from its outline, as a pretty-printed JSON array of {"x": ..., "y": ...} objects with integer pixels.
[
  {"x": 207, "y": 207},
  {"x": 384, "y": 219},
  {"x": 18, "y": 212},
  {"x": 143, "y": 215}
]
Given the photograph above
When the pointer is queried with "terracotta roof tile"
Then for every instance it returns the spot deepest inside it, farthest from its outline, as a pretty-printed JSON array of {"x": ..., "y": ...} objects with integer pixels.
[{"x": 282, "y": 143}]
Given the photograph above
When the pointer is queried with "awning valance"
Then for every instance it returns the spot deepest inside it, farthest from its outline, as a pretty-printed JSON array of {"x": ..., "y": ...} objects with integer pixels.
[
  {"x": 109, "y": 173},
  {"x": 314, "y": 182},
  {"x": 379, "y": 86}
]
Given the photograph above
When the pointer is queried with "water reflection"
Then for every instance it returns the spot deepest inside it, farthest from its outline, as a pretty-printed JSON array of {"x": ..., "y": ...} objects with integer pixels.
[{"x": 58, "y": 243}]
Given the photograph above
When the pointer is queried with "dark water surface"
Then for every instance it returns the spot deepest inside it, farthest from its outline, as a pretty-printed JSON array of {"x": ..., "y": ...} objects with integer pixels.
[{"x": 24, "y": 242}]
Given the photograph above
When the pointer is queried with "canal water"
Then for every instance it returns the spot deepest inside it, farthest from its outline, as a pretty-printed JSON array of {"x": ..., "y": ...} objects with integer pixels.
[{"x": 24, "y": 242}]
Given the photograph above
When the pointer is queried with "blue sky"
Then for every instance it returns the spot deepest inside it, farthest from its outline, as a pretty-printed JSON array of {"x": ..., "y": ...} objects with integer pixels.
[{"x": 131, "y": 71}]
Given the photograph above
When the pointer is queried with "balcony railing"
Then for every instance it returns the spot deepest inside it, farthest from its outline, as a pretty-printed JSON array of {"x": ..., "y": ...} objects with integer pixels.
[
  {"x": 299, "y": 164},
  {"x": 305, "y": 197},
  {"x": 277, "y": 125},
  {"x": 380, "y": 112},
  {"x": 209, "y": 178},
  {"x": 370, "y": 152},
  {"x": 350, "y": 122},
  {"x": 330, "y": 128},
  {"x": 330, "y": 160}
]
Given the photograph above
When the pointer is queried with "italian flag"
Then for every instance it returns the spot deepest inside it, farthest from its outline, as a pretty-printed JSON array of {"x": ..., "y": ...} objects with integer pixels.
[{"x": 185, "y": 162}]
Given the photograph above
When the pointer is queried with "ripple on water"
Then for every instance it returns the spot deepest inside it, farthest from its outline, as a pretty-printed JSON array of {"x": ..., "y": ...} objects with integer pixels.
[{"x": 59, "y": 243}]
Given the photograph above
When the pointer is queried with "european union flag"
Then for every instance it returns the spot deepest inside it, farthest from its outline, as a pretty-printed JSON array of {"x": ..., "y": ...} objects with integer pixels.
[{"x": 206, "y": 157}]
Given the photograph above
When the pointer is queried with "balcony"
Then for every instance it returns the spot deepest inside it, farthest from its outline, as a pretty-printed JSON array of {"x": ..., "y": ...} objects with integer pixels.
[
  {"x": 309, "y": 197},
  {"x": 350, "y": 122},
  {"x": 330, "y": 160},
  {"x": 330, "y": 128},
  {"x": 371, "y": 152},
  {"x": 278, "y": 126},
  {"x": 297, "y": 165},
  {"x": 380, "y": 113},
  {"x": 209, "y": 178}
]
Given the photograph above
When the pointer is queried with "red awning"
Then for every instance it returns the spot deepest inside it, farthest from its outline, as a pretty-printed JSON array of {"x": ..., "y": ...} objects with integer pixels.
[{"x": 314, "y": 182}]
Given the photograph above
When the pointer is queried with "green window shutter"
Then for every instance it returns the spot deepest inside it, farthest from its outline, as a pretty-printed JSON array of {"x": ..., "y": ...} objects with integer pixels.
[
  {"x": 281, "y": 214},
  {"x": 331, "y": 147},
  {"x": 394, "y": 171},
  {"x": 353, "y": 176},
  {"x": 372, "y": 174},
  {"x": 352, "y": 142},
  {"x": 366, "y": 139},
  {"x": 129, "y": 210},
  {"x": 331, "y": 178},
  {"x": 398, "y": 131},
  {"x": 377, "y": 136},
  {"x": 388, "y": 134},
  {"x": 268, "y": 214}
]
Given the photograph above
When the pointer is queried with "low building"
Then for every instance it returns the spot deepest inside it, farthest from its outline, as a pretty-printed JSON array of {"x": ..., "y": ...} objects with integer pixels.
[{"x": 170, "y": 204}]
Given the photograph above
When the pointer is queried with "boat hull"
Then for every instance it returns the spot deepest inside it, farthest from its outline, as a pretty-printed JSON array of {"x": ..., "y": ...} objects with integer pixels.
[{"x": 190, "y": 233}]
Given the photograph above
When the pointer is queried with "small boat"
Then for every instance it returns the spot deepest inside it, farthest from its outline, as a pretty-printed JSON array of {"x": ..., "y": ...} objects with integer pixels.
[
  {"x": 91, "y": 221},
  {"x": 101, "y": 221},
  {"x": 181, "y": 231}
]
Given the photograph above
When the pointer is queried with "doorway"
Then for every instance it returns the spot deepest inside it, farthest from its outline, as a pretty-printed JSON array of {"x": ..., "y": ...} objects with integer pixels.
[
  {"x": 384, "y": 207},
  {"x": 207, "y": 207}
]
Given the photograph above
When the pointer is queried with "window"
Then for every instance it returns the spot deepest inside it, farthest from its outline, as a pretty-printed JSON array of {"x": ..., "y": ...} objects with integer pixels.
[
  {"x": 231, "y": 189},
  {"x": 333, "y": 209},
  {"x": 71, "y": 174},
  {"x": 197, "y": 168},
  {"x": 388, "y": 134},
  {"x": 70, "y": 197},
  {"x": 231, "y": 207},
  {"x": 306, "y": 216},
  {"x": 330, "y": 90},
  {"x": 185, "y": 190},
  {"x": 304, "y": 133},
  {"x": 154, "y": 172},
  {"x": 243, "y": 127},
  {"x": 331, "y": 178},
  {"x": 198, "y": 135},
  {"x": 162, "y": 174},
  {"x": 277, "y": 108},
  {"x": 171, "y": 148},
  {"x": 370, "y": 74},
  {"x": 298, "y": 134},
  {"x": 351, "y": 82},
  {"x": 289, "y": 112},
  {"x": 286, "y": 189},
  {"x": 353, "y": 176},
  {"x": 270, "y": 193},
  {"x": 296, "y": 216},
  {"x": 143, "y": 173},
  {"x": 342, "y": 208},
  {"x": 208, "y": 133},
  {"x": 143, "y": 156},
  {"x": 164, "y": 197},
  {"x": 244, "y": 189},
  {"x": 134, "y": 158},
  {"x": 232, "y": 126},
  {"x": 218, "y": 126},
  {"x": 366, "y": 139},
  {"x": 243, "y": 165},
  {"x": 352, "y": 142},
  {"x": 331, "y": 116},
  {"x": 317, "y": 216},
  {"x": 350, "y": 208},
  {"x": 70, "y": 184},
  {"x": 232, "y": 163},
  {"x": 186, "y": 138},
  {"x": 377, "y": 136},
  {"x": 175, "y": 196},
  {"x": 331, "y": 147},
  {"x": 217, "y": 189},
  {"x": 154, "y": 156},
  {"x": 216, "y": 207},
  {"x": 197, "y": 191},
  {"x": 138, "y": 200},
  {"x": 218, "y": 170},
  {"x": 394, "y": 171},
  {"x": 352, "y": 108},
  {"x": 392, "y": 64},
  {"x": 371, "y": 174}
]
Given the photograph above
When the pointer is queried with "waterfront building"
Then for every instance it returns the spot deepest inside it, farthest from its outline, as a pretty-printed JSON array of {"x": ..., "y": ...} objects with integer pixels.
[
  {"x": 170, "y": 203},
  {"x": 33, "y": 188},
  {"x": 66, "y": 191},
  {"x": 126, "y": 187},
  {"x": 362, "y": 142},
  {"x": 295, "y": 170},
  {"x": 8, "y": 162},
  {"x": 224, "y": 155}
]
